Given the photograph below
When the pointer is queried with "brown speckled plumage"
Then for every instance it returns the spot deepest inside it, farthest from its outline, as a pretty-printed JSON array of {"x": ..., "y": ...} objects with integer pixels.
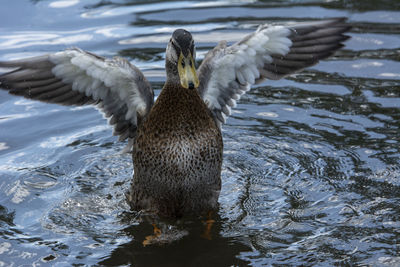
[{"x": 177, "y": 156}]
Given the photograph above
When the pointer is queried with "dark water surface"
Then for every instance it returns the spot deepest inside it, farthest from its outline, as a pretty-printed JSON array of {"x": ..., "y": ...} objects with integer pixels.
[{"x": 311, "y": 172}]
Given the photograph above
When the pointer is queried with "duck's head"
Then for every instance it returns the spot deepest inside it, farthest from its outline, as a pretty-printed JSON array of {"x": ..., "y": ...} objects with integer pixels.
[{"x": 180, "y": 57}]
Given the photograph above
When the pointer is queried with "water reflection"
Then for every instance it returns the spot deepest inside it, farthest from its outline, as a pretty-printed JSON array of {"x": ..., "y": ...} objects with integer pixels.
[
  {"x": 28, "y": 39},
  {"x": 192, "y": 249},
  {"x": 63, "y": 3}
]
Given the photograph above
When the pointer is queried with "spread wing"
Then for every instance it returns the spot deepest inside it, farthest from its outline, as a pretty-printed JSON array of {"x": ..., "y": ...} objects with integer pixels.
[
  {"x": 76, "y": 77},
  {"x": 271, "y": 52}
]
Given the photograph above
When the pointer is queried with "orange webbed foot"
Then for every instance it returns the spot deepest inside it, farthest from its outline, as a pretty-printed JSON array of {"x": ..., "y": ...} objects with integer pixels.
[
  {"x": 208, "y": 226},
  {"x": 150, "y": 238}
]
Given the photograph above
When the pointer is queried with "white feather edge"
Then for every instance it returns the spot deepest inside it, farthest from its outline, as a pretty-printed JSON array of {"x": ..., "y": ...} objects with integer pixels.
[
  {"x": 242, "y": 61},
  {"x": 99, "y": 79}
]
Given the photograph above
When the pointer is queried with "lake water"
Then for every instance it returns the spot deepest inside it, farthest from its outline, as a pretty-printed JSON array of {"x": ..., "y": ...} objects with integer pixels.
[{"x": 311, "y": 172}]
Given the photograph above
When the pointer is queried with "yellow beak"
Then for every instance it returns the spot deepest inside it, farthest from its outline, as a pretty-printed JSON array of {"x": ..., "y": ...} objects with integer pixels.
[{"x": 187, "y": 72}]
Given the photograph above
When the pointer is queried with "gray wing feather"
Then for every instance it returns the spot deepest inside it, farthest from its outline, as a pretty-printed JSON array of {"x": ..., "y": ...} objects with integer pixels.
[
  {"x": 76, "y": 77},
  {"x": 311, "y": 42},
  {"x": 272, "y": 52}
]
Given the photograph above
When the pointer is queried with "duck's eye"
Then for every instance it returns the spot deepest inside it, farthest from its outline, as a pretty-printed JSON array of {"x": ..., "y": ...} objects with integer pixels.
[
  {"x": 174, "y": 45},
  {"x": 183, "y": 64}
]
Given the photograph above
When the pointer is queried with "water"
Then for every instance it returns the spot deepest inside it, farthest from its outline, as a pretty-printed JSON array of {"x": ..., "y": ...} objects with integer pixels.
[{"x": 311, "y": 163}]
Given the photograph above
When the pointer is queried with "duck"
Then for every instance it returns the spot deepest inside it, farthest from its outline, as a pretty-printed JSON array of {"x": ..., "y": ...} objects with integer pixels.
[{"x": 175, "y": 141}]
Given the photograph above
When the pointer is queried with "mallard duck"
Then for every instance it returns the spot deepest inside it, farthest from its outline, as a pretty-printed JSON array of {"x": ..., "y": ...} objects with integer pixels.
[{"x": 176, "y": 142}]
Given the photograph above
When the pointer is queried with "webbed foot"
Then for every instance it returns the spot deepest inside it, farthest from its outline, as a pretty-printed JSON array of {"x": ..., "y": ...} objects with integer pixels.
[
  {"x": 150, "y": 238},
  {"x": 208, "y": 225}
]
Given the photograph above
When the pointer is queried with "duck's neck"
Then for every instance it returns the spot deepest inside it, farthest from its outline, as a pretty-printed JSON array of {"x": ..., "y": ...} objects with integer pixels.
[
  {"x": 173, "y": 79},
  {"x": 176, "y": 96}
]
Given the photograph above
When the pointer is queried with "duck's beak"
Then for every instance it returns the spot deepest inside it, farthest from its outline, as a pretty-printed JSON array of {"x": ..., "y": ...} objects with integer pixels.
[{"x": 187, "y": 71}]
